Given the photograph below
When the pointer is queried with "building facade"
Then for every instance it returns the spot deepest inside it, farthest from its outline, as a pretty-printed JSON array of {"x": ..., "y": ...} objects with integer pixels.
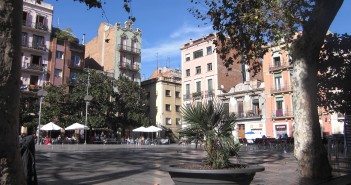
[
  {"x": 277, "y": 73},
  {"x": 36, "y": 30},
  {"x": 204, "y": 75},
  {"x": 116, "y": 50},
  {"x": 66, "y": 61},
  {"x": 163, "y": 90},
  {"x": 247, "y": 101}
]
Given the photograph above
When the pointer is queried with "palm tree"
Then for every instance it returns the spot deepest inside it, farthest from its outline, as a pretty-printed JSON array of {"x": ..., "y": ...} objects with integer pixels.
[{"x": 209, "y": 121}]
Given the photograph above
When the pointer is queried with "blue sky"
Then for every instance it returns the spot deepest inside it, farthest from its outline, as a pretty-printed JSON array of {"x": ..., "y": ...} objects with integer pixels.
[{"x": 166, "y": 25}]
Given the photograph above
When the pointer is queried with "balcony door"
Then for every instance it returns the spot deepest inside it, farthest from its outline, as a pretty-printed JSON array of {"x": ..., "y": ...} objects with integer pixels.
[{"x": 278, "y": 81}]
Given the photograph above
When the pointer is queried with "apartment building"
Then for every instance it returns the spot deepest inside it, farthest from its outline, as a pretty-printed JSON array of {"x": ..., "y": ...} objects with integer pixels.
[
  {"x": 164, "y": 90},
  {"x": 116, "y": 50},
  {"x": 66, "y": 58},
  {"x": 36, "y": 29},
  {"x": 247, "y": 101},
  {"x": 277, "y": 73}
]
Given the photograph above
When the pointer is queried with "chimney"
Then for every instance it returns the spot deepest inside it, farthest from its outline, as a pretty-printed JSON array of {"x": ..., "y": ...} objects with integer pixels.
[{"x": 83, "y": 39}]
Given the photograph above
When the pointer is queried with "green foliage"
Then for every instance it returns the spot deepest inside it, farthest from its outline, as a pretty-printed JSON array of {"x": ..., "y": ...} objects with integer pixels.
[
  {"x": 209, "y": 122},
  {"x": 335, "y": 73},
  {"x": 65, "y": 34},
  {"x": 249, "y": 26},
  {"x": 115, "y": 103}
]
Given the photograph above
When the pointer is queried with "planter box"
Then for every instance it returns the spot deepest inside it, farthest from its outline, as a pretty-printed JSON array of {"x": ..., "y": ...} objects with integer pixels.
[{"x": 183, "y": 176}]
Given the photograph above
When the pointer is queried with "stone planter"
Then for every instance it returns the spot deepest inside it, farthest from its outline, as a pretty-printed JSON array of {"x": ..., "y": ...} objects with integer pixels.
[{"x": 183, "y": 176}]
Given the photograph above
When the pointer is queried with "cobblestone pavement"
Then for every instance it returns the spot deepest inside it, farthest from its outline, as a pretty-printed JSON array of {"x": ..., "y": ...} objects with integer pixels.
[{"x": 139, "y": 165}]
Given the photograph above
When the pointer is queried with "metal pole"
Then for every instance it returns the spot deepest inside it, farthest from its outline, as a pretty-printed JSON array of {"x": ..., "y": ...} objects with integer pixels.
[
  {"x": 86, "y": 109},
  {"x": 86, "y": 121},
  {"x": 40, "y": 101}
]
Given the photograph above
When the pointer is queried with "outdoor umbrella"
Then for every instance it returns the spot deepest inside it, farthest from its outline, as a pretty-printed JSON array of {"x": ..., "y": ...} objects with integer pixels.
[
  {"x": 153, "y": 129},
  {"x": 140, "y": 129},
  {"x": 77, "y": 126},
  {"x": 50, "y": 126}
]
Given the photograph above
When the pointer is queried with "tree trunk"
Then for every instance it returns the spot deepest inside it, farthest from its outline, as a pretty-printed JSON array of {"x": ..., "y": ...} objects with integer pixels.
[
  {"x": 11, "y": 169},
  {"x": 309, "y": 150}
]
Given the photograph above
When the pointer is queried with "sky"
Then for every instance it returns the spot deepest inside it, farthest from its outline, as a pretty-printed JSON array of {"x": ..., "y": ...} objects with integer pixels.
[{"x": 166, "y": 25}]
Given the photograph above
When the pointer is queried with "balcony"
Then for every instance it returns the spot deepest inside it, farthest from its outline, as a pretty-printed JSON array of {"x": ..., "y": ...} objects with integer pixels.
[
  {"x": 279, "y": 66},
  {"x": 124, "y": 65},
  {"x": 37, "y": 26},
  {"x": 34, "y": 47},
  {"x": 283, "y": 89},
  {"x": 128, "y": 49},
  {"x": 248, "y": 115},
  {"x": 209, "y": 93},
  {"x": 282, "y": 114},
  {"x": 75, "y": 64},
  {"x": 186, "y": 96},
  {"x": 32, "y": 67},
  {"x": 197, "y": 95}
]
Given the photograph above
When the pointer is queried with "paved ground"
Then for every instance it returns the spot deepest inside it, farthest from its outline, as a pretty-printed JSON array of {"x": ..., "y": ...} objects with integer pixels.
[{"x": 139, "y": 165}]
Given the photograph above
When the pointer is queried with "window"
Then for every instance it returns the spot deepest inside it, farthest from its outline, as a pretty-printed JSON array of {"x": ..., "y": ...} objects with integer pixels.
[
  {"x": 123, "y": 42},
  {"x": 168, "y": 107},
  {"x": 209, "y": 86},
  {"x": 58, "y": 73},
  {"x": 33, "y": 80},
  {"x": 75, "y": 60},
  {"x": 38, "y": 41},
  {"x": 198, "y": 70},
  {"x": 187, "y": 90},
  {"x": 279, "y": 106},
  {"x": 133, "y": 44},
  {"x": 24, "y": 18},
  {"x": 178, "y": 121},
  {"x": 255, "y": 107},
  {"x": 188, "y": 72},
  {"x": 177, "y": 108},
  {"x": 24, "y": 39},
  {"x": 209, "y": 67},
  {"x": 276, "y": 61},
  {"x": 168, "y": 121},
  {"x": 198, "y": 54},
  {"x": 209, "y": 50},
  {"x": 278, "y": 81},
  {"x": 177, "y": 94},
  {"x": 198, "y": 86},
  {"x": 240, "y": 109},
  {"x": 226, "y": 108},
  {"x": 187, "y": 57},
  {"x": 59, "y": 54},
  {"x": 168, "y": 93},
  {"x": 40, "y": 21},
  {"x": 36, "y": 59}
]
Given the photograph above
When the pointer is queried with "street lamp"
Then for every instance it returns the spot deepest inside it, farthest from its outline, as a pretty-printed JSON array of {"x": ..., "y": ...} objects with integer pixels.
[
  {"x": 41, "y": 94},
  {"x": 87, "y": 99}
]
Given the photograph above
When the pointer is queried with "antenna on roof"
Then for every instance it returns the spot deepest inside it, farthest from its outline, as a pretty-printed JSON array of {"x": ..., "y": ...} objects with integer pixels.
[{"x": 58, "y": 22}]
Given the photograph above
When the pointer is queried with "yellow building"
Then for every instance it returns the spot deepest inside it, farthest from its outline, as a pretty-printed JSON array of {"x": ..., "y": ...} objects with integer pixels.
[{"x": 163, "y": 90}]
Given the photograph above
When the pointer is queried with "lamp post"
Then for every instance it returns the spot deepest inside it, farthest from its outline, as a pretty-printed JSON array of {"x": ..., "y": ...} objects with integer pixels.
[
  {"x": 87, "y": 99},
  {"x": 41, "y": 94}
]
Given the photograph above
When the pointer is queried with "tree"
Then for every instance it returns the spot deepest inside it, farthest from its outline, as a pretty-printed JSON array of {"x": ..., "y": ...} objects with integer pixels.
[
  {"x": 11, "y": 170},
  {"x": 248, "y": 26},
  {"x": 334, "y": 73},
  {"x": 130, "y": 104}
]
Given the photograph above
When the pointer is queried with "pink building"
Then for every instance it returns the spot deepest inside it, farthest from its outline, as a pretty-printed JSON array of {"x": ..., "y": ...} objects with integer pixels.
[{"x": 277, "y": 76}]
